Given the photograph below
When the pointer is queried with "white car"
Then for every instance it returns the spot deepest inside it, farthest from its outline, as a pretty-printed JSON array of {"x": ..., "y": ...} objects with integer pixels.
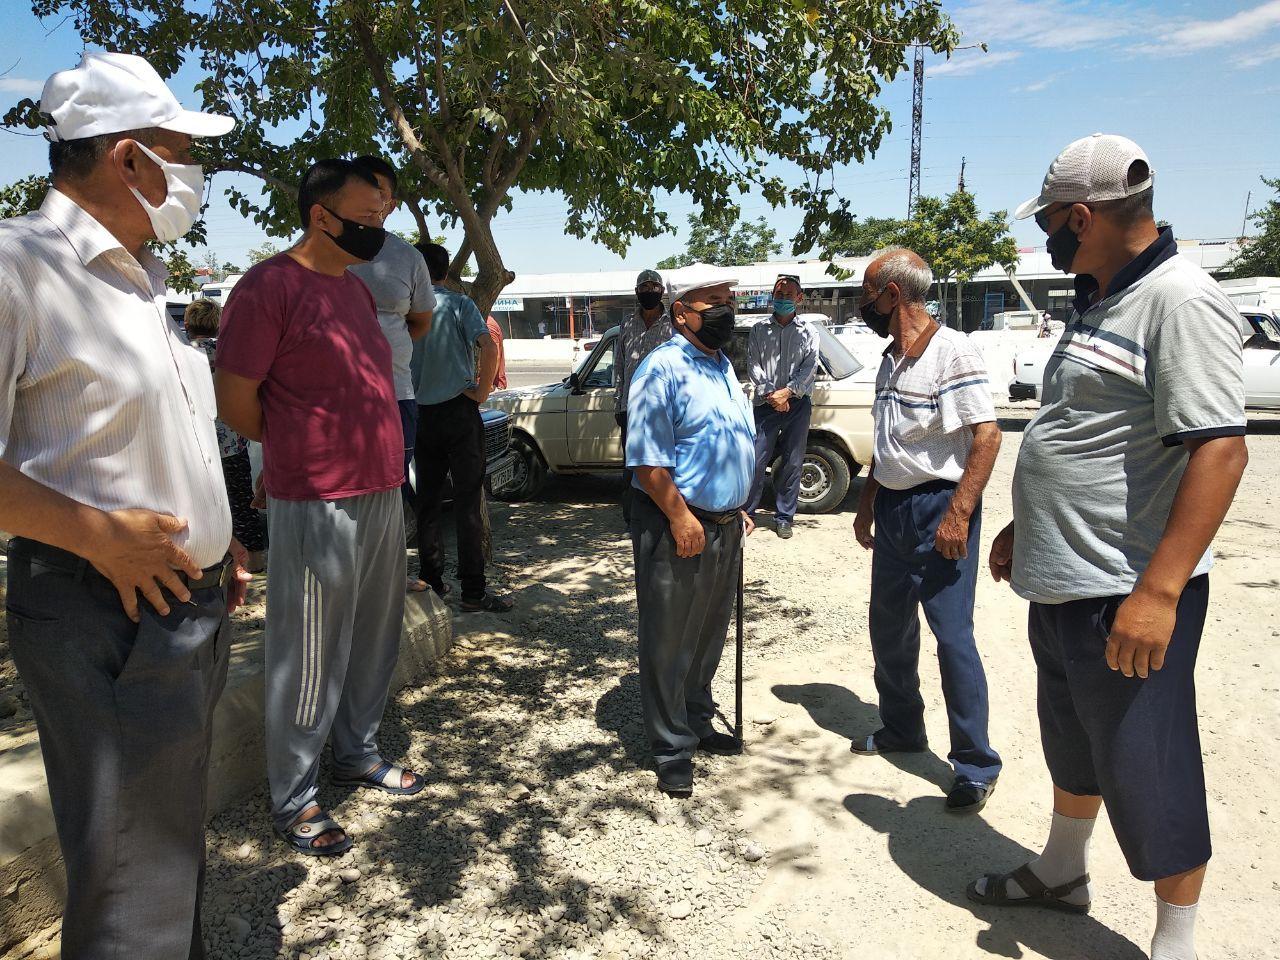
[
  {"x": 1261, "y": 363},
  {"x": 568, "y": 426}
]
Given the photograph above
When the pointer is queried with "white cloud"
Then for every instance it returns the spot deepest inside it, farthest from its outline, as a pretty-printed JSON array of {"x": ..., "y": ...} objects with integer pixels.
[
  {"x": 1046, "y": 24},
  {"x": 968, "y": 62},
  {"x": 1257, "y": 58},
  {"x": 1038, "y": 85},
  {"x": 1242, "y": 27},
  {"x": 20, "y": 85}
]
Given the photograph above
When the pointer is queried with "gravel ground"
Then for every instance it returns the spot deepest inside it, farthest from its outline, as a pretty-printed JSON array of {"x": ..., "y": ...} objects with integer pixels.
[{"x": 540, "y": 834}]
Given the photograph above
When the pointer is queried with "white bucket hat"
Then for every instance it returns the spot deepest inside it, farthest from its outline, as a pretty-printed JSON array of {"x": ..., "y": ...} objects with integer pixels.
[{"x": 114, "y": 92}]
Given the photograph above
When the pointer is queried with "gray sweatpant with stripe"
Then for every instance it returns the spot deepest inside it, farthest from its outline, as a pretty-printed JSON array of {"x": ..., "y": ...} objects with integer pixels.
[{"x": 335, "y": 603}]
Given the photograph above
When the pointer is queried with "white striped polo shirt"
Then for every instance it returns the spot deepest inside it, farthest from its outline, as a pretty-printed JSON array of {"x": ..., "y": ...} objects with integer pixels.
[
  {"x": 926, "y": 402},
  {"x": 101, "y": 398}
]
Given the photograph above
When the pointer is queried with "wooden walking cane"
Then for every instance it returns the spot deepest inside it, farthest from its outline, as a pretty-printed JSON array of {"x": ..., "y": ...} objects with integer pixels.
[{"x": 737, "y": 680}]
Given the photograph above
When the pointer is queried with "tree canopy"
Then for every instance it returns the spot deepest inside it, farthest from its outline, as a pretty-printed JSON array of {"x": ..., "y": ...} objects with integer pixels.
[
  {"x": 726, "y": 242},
  {"x": 609, "y": 103},
  {"x": 1259, "y": 255},
  {"x": 948, "y": 232}
]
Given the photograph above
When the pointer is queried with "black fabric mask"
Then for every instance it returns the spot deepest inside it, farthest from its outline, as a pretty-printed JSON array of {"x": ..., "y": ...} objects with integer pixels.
[
  {"x": 1063, "y": 246},
  {"x": 717, "y": 326},
  {"x": 357, "y": 239},
  {"x": 873, "y": 318},
  {"x": 649, "y": 299}
]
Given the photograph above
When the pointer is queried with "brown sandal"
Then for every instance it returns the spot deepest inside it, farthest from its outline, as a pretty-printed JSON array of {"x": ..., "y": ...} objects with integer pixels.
[{"x": 1037, "y": 894}]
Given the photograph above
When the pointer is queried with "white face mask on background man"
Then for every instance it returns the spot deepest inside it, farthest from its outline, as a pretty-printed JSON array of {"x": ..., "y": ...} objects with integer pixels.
[{"x": 181, "y": 205}]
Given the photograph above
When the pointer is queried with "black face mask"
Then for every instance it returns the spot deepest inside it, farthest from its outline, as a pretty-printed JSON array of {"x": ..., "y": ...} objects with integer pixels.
[
  {"x": 1063, "y": 245},
  {"x": 873, "y": 318},
  {"x": 717, "y": 326},
  {"x": 649, "y": 299},
  {"x": 360, "y": 241}
]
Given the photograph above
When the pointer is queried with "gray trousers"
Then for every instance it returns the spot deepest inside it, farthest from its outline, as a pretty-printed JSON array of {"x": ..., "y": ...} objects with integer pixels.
[
  {"x": 124, "y": 713},
  {"x": 335, "y": 605},
  {"x": 684, "y": 604}
]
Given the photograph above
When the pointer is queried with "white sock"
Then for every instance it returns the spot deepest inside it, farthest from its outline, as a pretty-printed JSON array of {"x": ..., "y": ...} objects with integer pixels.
[
  {"x": 1065, "y": 858},
  {"x": 1175, "y": 937}
]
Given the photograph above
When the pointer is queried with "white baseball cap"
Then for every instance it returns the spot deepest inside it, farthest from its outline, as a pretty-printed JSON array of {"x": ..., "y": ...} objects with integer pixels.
[
  {"x": 679, "y": 289},
  {"x": 114, "y": 92},
  {"x": 1092, "y": 169}
]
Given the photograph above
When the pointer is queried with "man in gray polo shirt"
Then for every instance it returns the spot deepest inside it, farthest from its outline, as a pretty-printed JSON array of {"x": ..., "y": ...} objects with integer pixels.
[
  {"x": 1122, "y": 480},
  {"x": 401, "y": 287}
]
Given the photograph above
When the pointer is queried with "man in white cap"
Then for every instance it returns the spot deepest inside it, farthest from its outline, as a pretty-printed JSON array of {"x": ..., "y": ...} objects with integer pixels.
[
  {"x": 691, "y": 443},
  {"x": 642, "y": 332},
  {"x": 112, "y": 485},
  {"x": 1122, "y": 480}
]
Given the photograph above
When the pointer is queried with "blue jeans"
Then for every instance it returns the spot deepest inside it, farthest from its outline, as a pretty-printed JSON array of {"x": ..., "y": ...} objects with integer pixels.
[
  {"x": 907, "y": 573},
  {"x": 787, "y": 433}
]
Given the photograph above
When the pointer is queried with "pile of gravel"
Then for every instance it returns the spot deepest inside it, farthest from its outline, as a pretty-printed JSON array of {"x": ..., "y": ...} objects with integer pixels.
[{"x": 539, "y": 834}]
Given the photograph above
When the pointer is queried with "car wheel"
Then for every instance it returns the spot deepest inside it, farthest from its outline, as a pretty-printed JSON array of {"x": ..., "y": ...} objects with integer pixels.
[
  {"x": 530, "y": 475},
  {"x": 824, "y": 479}
]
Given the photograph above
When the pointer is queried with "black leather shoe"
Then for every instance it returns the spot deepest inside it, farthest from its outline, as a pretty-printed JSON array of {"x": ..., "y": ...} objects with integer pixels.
[
  {"x": 676, "y": 777},
  {"x": 783, "y": 529},
  {"x": 969, "y": 796},
  {"x": 722, "y": 743}
]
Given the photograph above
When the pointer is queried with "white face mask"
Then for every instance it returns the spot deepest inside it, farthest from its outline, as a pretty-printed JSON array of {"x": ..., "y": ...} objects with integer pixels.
[{"x": 176, "y": 214}]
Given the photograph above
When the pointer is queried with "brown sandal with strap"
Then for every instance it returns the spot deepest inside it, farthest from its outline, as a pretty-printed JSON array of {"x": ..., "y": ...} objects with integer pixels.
[{"x": 996, "y": 893}]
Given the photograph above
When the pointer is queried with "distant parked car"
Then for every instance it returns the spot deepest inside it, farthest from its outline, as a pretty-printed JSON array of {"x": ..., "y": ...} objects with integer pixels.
[
  {"x": 1261, "y": 363},
  {"x": 568, "y": 426}
]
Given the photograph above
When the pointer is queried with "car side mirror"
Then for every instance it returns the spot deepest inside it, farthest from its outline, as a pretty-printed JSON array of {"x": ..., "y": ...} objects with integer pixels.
[{"x": 574, "y": 383}]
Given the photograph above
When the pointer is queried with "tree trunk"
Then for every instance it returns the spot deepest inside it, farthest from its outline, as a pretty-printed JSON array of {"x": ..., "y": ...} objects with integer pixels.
[{"x": 960, "y": 305}]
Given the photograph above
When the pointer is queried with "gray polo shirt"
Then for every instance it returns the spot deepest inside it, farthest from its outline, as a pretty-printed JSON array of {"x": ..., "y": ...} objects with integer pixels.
[
  {"x": 1157, "y": 362},
  {"x": 400, "y": 283}
]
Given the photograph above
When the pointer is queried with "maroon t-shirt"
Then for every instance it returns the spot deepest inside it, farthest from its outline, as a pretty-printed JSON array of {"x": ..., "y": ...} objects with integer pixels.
[{"x": 331, "y": 426}]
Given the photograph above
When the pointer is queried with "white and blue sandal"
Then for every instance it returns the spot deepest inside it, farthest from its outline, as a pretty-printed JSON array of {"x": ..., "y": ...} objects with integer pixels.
[{"x": 387, "y": 777}]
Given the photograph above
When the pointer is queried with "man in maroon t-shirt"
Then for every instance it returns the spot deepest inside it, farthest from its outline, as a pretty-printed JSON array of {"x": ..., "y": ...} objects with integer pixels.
[{"x": 303, "y": 366}]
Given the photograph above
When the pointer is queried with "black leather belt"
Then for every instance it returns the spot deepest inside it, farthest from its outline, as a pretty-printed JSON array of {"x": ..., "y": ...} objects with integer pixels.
[
  {"x": 719, "y": 517},
  {"x": 72, "y": 563}
]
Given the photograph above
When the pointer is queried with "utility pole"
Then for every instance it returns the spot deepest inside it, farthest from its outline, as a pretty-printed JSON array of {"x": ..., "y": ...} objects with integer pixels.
[
  {"x": 960, "y": 184},
  {"x": 1244, "y": 224},
  {"x": 917, "y": 125}
]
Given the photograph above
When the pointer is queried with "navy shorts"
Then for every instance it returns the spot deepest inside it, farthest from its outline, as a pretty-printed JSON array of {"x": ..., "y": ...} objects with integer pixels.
[{"x": 1135, "y": 742}]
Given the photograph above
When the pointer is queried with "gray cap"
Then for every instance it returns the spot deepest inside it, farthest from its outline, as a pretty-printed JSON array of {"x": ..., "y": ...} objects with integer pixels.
[
  {"x": 1090, "y": 170},
  {"x": 679, "y": 289},
  {"x": 649, "y": 276}
]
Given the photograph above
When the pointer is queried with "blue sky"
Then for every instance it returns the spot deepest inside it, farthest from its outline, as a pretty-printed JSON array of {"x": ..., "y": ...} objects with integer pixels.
[{"x": 1195, "y": 83}]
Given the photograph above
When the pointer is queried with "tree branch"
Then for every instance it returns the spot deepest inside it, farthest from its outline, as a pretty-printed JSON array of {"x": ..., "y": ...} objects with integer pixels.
[
  {"x": 269, "y": 179},
  {"x": 408, "y": 135}
]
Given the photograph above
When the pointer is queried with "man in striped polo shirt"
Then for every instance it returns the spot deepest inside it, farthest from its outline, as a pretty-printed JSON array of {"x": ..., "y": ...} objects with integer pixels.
[
  {"x": 1123, "y": 478},
  {"x": 936, "y": 441}
]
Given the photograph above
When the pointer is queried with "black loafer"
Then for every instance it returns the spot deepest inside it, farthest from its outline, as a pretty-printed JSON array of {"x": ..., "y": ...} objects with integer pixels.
[
  {"x": 676, "y": 777},
  {"x": 723, "y": 744},
  {"x": 783, "y": 529},
  {"x": 969, "y": 796}
]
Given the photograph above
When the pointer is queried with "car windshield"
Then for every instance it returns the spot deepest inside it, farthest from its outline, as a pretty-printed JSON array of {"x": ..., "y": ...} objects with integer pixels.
[{"x": 837, "y": 362}]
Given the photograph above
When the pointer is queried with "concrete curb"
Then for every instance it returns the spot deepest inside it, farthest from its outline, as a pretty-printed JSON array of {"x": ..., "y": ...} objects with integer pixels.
[{"x": 32, "y": 883}]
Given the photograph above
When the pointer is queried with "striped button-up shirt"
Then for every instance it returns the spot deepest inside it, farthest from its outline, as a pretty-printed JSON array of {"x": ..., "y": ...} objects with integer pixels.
[
  {"x": 781, "y": 355},
  {"x": 101, "y": 397},
  {"x": 635, "y": 342}
]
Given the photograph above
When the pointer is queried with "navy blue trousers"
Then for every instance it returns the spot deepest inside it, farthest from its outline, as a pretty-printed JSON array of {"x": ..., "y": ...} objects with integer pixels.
[
  {"x": 1135, "y": 742},
  {"x": 787, "y": 433},
  {"x": 908, "y": 573}
]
